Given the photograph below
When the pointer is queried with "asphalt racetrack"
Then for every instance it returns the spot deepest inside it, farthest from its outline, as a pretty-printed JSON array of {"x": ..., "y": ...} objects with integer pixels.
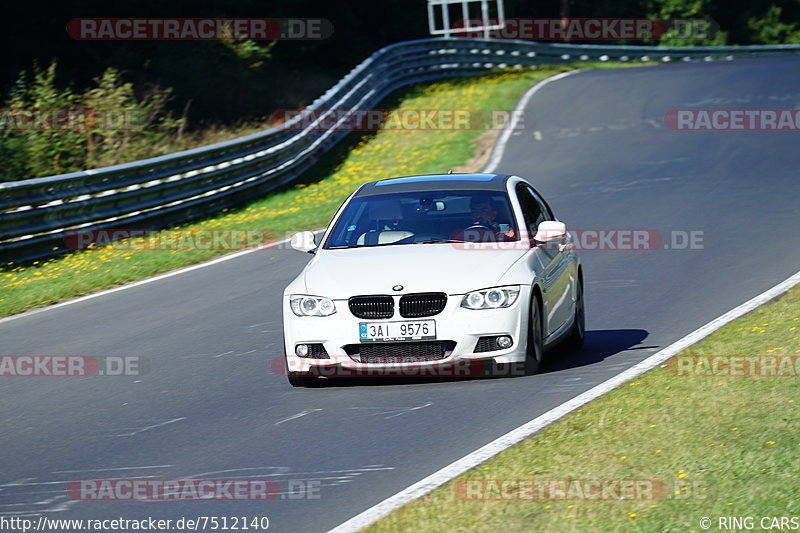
[{"x": 210, "y": 406}]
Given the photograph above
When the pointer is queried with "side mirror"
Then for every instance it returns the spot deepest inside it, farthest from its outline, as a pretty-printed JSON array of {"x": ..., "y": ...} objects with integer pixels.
[
  {"x": 304, "y": 241},
  {"x": 550, "y": 231}
]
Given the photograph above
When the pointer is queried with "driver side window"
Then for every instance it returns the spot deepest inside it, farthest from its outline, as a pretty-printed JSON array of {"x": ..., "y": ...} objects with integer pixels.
[{"x": 532, "y": 210}]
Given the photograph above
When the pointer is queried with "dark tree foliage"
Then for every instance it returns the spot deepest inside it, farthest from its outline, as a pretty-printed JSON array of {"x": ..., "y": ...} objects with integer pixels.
[{"x": 222, "y": 83}]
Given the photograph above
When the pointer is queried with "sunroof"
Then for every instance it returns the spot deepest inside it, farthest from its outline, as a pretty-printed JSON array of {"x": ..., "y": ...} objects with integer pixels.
[{"x": 437, "y": 177}]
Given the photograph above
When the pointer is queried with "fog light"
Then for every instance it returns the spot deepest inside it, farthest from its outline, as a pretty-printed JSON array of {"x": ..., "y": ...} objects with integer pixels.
[
  {"x": 301, "y": 350},
  {"x": 504, "y": 342}
]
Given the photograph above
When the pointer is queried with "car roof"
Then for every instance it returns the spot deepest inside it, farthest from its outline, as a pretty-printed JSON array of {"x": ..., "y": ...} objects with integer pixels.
[{"x": 435, "y": 182}]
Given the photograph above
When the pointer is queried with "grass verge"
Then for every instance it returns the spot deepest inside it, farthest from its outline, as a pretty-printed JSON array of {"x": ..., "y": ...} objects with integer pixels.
[{"x": 711, "y": 446}]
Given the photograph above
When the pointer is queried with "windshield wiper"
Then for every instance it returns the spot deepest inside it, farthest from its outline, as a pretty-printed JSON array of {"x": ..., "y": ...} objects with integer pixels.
[
  {"x": 431, "y": 241},
  {"x": 437, "y": 241}
]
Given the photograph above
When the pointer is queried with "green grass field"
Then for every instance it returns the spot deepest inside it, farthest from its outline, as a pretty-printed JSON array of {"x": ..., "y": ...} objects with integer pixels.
[{"x": 724, "y": 446}]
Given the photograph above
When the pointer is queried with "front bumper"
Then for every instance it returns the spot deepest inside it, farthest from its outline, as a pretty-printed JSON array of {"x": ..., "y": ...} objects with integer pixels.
[{"x": 455, "y": 324}]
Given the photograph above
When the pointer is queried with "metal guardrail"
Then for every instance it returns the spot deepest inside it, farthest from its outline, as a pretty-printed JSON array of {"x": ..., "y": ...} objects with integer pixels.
[{"x": 36, "y": 214}]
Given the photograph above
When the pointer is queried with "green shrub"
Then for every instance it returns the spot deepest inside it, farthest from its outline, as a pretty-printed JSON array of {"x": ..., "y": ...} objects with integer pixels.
[
  {"x": 771, "y": 30},
  {"x": 113, "y": 125}
]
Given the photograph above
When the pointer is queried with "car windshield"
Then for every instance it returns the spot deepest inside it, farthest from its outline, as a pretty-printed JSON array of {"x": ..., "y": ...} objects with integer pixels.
[{"x": 424, "y": 217}]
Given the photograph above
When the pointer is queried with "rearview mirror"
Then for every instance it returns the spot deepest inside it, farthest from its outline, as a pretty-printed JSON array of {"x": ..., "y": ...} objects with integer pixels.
[
  {"x": 550, "y": 231},
  {"x": 305, "y": 241}
]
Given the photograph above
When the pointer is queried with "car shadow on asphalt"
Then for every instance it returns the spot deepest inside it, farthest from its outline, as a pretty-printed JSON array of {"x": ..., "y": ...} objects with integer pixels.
[{"x": 599, "y": 344}]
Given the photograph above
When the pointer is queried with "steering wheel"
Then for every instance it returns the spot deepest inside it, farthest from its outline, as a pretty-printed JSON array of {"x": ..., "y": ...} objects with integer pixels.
[{"x": 481, "y": 223}]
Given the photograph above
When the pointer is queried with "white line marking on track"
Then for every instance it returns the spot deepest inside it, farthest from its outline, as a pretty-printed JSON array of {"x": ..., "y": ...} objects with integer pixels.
[
  {"x": 17, "y": 482},
  {"x": 511, "y": 126},
  {"x": 165, "y": 275},
  {"x": 394, "y": 412},
  {"x": 108, "y": 469},
  {"x": 298, "y": 415},
  {"x": 426, "y": 485},
  {"x": 276, "y": 471},
  {"x": 61, "y": 482},
  {"x": 147, "y": 428}
]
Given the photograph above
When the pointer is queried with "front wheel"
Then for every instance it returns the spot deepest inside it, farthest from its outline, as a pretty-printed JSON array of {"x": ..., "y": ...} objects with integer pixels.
[
  {"x": 578, "y": 334},
  {"x": 535, "y": 349},
  {"x": 297, "y": 379}
]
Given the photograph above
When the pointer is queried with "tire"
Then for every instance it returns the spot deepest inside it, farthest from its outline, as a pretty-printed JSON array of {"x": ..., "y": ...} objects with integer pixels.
[
  {"x": 302, "y": 381},
  {"x": 296, "y": 381},
  {"x": 299, "y": 380},
  {"x": 535, "y": 346},
  {"x": 576, "y": 338}
]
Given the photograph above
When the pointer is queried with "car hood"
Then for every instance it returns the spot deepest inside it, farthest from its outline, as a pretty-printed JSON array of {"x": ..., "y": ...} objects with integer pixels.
[{"x": 340, "y": 274}]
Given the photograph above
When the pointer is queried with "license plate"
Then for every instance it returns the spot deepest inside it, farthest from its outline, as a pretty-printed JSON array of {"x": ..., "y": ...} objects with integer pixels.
[{"x": 410, "y": 330}]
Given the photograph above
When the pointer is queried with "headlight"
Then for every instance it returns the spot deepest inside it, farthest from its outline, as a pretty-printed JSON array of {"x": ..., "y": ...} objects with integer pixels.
[
  {"x": 491, "y": 298},
  {"x": 303, "y": 305}
]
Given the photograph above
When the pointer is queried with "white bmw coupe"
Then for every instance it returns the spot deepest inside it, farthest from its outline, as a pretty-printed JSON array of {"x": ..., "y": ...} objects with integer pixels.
[{"x": 434, "y": 275}]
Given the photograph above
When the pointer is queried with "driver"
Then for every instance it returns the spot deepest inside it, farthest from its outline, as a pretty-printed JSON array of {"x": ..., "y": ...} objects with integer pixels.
[
  {"x": 483, "y": 213},
  {"x": 484, "y": 219}
]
